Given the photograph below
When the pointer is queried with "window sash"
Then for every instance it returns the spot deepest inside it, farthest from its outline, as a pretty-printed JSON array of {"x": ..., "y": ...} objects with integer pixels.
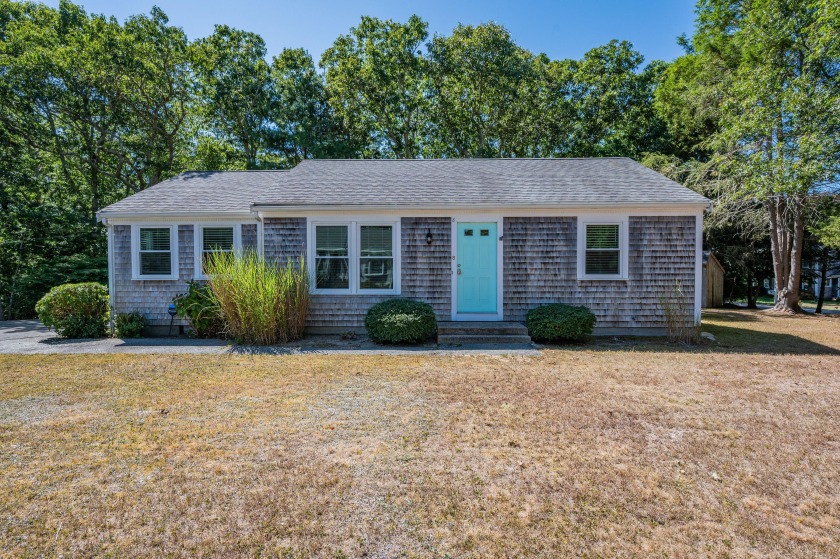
[
  {"x": 602, "y": 250},
  {"x": 153, "y": 258},
  {"x": 219, "y": 240}
]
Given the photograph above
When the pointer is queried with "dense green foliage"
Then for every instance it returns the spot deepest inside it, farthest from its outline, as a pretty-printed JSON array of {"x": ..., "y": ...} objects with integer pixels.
[
  {"x": 400, "y": 321},
  {"x": 94, "y": 110},
  {"x": 75, "y": 310},
  {"x": 259, "y": 302},
  {"x": 199, "y": 306},
  {"x": 560, "y": 323},
  {"x": 129, "y": 325}
]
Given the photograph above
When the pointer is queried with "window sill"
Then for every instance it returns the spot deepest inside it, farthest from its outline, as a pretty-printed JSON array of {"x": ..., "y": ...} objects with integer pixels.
[
  {"x": 153, "y": 278},
  {"x": 358, "y": 292},
  {"x": 603, "y": 278}
]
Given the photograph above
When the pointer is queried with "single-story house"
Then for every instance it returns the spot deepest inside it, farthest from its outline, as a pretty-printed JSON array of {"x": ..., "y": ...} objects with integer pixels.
[{"x": 478, "y": 239}]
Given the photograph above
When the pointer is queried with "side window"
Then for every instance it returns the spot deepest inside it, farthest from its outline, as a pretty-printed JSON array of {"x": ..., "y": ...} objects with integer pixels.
[
  {"x": 215, "y": 240},
  {"x": 603, "y": 250},
  {"x": 155, "y": 251}
]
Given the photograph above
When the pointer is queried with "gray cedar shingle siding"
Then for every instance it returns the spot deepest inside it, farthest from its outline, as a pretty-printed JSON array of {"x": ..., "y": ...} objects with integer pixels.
[
  {"x": 540, "y": 266},
  {"x": 150, "y": 298},
  {"x": 249, "y": 236}
]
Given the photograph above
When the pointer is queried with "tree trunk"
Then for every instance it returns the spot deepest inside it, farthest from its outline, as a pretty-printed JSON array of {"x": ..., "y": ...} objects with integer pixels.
[
  {"x": 823, "y": 277},
  {"x": 751, "y": 292},
  {"x": 787, "y": 234}
]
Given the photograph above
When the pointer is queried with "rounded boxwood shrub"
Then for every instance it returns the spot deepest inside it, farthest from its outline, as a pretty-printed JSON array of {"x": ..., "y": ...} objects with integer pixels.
[
  {"x": 129, "y": 325},
  {"x": 75, "y": 310},
  {"x": 400, "y": 321},
  {"x": 560, "y": 323}
]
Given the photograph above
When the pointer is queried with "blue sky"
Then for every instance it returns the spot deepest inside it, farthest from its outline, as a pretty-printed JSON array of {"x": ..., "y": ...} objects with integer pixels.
[{"x": 560, "y": 28}]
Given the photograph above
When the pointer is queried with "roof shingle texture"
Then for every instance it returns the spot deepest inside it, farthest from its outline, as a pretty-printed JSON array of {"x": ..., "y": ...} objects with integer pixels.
[{"x": 416, "y": 183}]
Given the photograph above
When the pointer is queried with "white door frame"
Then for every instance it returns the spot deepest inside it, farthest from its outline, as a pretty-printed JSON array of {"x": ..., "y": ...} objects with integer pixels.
[{"x": 479, "y": 218}]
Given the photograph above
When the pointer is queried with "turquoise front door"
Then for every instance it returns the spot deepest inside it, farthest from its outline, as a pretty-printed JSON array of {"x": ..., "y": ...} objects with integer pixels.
[{"x": 477, "y": 267}]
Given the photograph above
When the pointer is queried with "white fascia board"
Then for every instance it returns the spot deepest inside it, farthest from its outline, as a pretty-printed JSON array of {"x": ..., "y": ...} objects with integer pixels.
[
  {"x": 509, "y": 211},
  {"x": 124, "y": 218}
]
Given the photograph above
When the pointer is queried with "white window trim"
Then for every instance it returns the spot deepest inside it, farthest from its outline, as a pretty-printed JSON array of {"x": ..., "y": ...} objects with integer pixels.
[
  {"x": 623, "y": 223},
  {"x": 354, "y": 254},
  {"x": 135, "y": 251},
  {"x": 198, "y": 243}
]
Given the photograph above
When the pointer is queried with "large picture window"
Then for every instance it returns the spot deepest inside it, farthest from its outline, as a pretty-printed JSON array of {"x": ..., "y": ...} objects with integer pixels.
[
  {"x": 355, "y": 257},
  {"x": 154, "y": 252}
]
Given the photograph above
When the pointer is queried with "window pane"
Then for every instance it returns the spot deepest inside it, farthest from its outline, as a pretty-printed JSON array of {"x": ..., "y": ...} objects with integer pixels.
[
  {"x": 155, "y": 263},
  {"x": 332, "y": 273},
  {"x": 377, "y": 273},
  {"x": 218, "y": 238},
  {"x": 376, "y": 240},
  {"x": 331, "y": 240},
  {"x": 601, "y": 236},
  {"x": 154, "y": 239},
  {"x": 602, "y": 262}
]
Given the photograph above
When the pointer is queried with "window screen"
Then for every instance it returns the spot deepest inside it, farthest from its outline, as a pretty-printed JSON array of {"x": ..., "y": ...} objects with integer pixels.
[
  {"x": 603, "y": 252},
  {"x": 332, "y": 263},
  {"x": 155, "y": 251},
  {"x": 376, "y": 257}
]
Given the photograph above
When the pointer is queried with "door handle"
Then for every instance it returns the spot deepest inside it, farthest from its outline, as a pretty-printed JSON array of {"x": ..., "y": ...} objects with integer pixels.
[{"x": 459, "y": 271}]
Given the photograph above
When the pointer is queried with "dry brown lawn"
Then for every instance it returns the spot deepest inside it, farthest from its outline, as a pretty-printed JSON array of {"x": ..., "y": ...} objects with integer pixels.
[{"x": 614, "y": 449}]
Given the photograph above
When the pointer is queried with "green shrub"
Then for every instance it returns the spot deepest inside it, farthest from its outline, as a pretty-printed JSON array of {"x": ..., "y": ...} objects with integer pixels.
[
  {"x": 259, "y": 302},
  {"x": 199, "y": 306},
  {"x": 75, "y": 310},
  {"x": 397, "y": 321},
  {"x": 560, "y": 323},
  {"x": 37, "y": 279},
  {"x": 129, "y": 325}
]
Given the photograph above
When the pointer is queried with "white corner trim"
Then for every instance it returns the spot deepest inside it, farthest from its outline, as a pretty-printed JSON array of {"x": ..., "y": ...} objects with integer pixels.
[
  {"x": 198, "y": 243},
  {"x": 500, "y": 260},
  {"x": 135, "y": 251},
  {"x": 698, "y": 268},
  {"x": 354, "y": 253},
  {"x": 623, "y": 222},
  {"x": 111, "y": 282}
]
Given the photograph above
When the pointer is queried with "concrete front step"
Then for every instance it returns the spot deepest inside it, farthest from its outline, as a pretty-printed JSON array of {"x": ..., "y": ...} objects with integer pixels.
[
  {"x": 476, "y": 328},
  {"x": 482, "y": 333},
  {"x": 483, "y": 339}
]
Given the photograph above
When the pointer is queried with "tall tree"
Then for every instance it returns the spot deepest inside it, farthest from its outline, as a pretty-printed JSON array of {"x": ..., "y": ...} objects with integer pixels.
[
  {"x": 477, "y": 76},
  {"x": 780, "y": 130},
  {"x": 235, "y": 87},
  {"x": 305, "y": 125},
  {"x": 376, "y": 82}
]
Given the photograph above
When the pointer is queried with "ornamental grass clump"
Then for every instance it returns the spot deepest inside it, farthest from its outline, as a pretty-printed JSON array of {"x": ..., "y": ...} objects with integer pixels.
[{"x": 259, "y": 302}]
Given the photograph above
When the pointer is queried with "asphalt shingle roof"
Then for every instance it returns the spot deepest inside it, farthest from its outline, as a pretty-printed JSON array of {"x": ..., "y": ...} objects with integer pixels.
[{"x": 414, "y": 183}]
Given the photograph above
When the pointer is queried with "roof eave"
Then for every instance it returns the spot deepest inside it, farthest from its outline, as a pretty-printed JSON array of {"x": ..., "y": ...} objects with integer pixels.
[{"x": 267, "y": 207}]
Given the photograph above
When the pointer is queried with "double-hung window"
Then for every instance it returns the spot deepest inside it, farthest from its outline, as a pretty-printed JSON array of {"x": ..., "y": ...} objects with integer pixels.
[
  {"x": 602, "y": 250},
  {"x": 212, "y": 240},
  {"x": 154, "y": 252},
  {"x": 355, "y": 257}
]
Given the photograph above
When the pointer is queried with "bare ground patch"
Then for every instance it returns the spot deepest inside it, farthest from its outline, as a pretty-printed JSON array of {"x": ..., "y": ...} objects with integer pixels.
[{"x": 632, "y": 449}]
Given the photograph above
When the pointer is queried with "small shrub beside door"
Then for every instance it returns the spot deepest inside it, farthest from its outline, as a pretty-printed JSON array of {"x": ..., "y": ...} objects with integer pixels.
[
  {"x": 560, "y": 323},
  {"x": 400, "y": 321}
]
